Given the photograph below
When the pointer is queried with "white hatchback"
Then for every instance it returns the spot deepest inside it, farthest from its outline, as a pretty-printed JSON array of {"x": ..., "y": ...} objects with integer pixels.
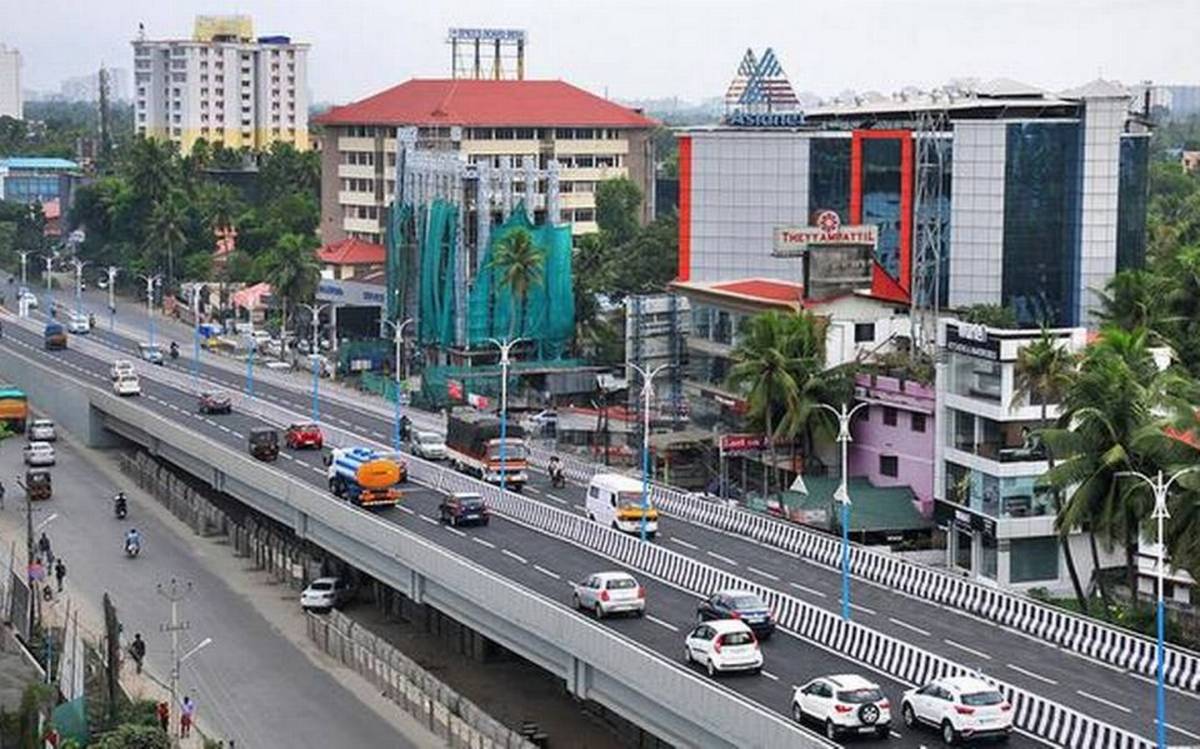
[
  {"x": 121, "y": 367},
  {"x": 42, "y": 430},
  {"x": 961, "y": 707},
  {"x": 843, "y": 704},
  {"x": 723, "y": 645},
  {"x": 607, "y": 593},
  {"x": 39, "y": 454}
]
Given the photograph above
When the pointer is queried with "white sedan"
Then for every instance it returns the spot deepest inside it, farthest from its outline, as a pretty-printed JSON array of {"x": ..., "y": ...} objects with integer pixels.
[
  {"x": 128, "y": 384},
  {"x": 723, "y": 645},
  {"x": 121, "y": 367},
  {"x": 607, "y": 593},
  {"x": 39, "y": 454}
]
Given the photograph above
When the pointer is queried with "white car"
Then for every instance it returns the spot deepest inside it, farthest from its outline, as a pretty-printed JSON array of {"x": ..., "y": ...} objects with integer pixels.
[
  {"x": 31, "y": 300},
  {"x": 121, "y": 367},
  {"x": 961, "y": 707},
  {"x": 39, "y": 454},
  {"x": 723, "y": 645},
  {"x": 607, "y": 593},
  {"x": 79, "y": 324},
  {"x": 42, "y": 430},
  {"x": 324, "y": 594},
  {"x": 429, "y": 445},
  {"x": 843, "y": 704},
  {"x": 150, "y": 352},
  {"x": 127, "y": 384}
]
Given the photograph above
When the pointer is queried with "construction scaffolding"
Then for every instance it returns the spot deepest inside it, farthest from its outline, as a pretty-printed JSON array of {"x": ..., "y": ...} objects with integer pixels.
[
  {"x": 932, "y": 226},
  {"x": 656, "y": 328}
]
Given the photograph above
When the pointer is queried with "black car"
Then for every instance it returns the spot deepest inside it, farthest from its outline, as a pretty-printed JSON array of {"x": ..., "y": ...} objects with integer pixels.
[
  {"x": 739, "y": 604},
  {"x": 263, "y": 443},
  {"x": 463, "y": 507},
  {"x": 215, "y": 402}
]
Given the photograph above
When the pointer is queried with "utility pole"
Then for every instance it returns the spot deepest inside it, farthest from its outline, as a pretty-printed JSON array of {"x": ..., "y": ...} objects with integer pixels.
[{"x": 175, "y": 592}]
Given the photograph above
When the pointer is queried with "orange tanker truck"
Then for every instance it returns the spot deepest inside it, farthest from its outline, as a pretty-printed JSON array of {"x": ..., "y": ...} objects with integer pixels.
[{"x": 366, "y": 477}]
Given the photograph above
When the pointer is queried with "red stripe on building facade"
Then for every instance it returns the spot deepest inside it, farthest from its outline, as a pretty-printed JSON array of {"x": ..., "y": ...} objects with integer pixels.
[
  {"x": 882, "y": 283},
  {"x": 685, "y": 208}
]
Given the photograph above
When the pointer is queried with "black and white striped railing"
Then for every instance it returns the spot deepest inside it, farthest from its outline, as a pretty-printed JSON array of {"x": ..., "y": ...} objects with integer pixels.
[{"x": 1076, "y": 633}]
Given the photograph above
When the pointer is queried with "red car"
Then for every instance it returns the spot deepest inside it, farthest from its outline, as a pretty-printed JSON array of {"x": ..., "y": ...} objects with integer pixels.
[{"x": 303, "y": 434}]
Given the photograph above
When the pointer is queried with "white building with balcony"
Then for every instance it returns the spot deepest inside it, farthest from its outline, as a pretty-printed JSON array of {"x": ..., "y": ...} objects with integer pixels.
[{"x": 999, "y": 526}]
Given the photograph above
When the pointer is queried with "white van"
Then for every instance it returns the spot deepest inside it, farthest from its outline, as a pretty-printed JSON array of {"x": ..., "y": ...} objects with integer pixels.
[{"x": 616, "y": 501}]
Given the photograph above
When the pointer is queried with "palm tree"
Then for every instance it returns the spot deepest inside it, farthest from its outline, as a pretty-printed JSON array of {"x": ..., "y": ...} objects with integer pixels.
[
  {"x": 166, "y": 228},
  {"x": 1042, "y": 374},
  {"x": 1109, "y": 403},
  {"x": 292, "y": 270},
  {"x": 763, "y": 367},
  {"x": 805, "y": 335},
  {"x": 520, "y": 264},
  {"x": 1132, "y": 299}
]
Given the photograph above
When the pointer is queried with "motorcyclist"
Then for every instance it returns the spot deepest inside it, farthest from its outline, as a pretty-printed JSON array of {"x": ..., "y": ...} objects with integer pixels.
[
  {"x": 120, "y": 503},
  {"x": 91, "y": 320},
  {"x": 555, "y": 469},
  {"x": 133, "y": 540},
  {"x": 174, "y": 350}
]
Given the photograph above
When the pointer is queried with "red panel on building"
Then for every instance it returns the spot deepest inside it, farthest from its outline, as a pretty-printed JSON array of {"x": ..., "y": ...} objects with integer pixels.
[
  {"x": 883, "y": 285},
  {"x": 685, "y": 208}
]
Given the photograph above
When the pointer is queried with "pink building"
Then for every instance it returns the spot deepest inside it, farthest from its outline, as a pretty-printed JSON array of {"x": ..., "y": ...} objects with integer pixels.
[{"x": 893, "y": 435}]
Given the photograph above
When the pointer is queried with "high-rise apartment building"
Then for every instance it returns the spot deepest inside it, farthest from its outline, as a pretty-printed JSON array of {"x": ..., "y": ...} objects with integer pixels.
[
  {"x": 10, "y": 83},
  {"x": 223, "y": 85}
]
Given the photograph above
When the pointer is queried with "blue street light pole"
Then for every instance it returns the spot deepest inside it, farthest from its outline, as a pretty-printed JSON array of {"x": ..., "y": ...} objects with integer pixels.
[
  {"x": 250, "y": 344},
  {"x": 398, "y": 338},
  {"x": 196, "y": 289},
  {"x": 647, "y": 383},
  {"x": 151, "y": 282},
  {"x": 315, "y": 311},
  {"x": 49, "y": 303},
  {"x": 112, "y": 300},
  {"x": 78, "y": 284},
  {"x": 1160, "y": 515},
  {"x": 505, "y": 347},
  {"x": 842, "y": 495}
]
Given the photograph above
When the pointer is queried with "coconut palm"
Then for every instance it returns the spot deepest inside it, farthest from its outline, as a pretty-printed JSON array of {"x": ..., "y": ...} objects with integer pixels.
[
  {"x": 166, "y": 228},
  {"x": 292, "y": 270},
  {"x": 520, "y": 267},
  {"x": 1132, "y": 299},
  {"x": 1042, "y": 375}
]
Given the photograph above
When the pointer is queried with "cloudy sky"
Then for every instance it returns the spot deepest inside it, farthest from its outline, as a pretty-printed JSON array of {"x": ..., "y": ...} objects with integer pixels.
[{"x": 653, "y": 48}]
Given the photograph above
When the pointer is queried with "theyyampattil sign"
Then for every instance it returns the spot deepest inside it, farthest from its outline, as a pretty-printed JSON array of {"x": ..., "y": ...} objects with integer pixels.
[{"x": 827, "y": 230}]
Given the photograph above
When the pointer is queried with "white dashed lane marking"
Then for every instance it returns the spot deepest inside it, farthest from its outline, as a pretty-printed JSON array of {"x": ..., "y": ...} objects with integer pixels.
[
  {"x": 661, "y": 623},
  {"x": 517, "y": 557},
  {"x": 546, "y": 572}
]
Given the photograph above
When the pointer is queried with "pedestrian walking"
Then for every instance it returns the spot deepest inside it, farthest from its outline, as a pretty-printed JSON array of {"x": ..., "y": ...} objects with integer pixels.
[
  {"x": 1, "y": 495},
  {"x": 137, "y": 651},
  {"x": 187, "y": 716},
  {"x": 43, "y": 545},
  {"x": 163, "y": 712},
  {"x": 60, "y": 571}
]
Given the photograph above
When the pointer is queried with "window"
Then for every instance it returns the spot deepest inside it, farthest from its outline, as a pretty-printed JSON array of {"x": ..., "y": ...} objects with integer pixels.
[
  {"x": 864, "y": 332},
  {"x": 889, "y": 416},
  {"x": 918, "y": 422},
  {"x": 889, "y": 465}
]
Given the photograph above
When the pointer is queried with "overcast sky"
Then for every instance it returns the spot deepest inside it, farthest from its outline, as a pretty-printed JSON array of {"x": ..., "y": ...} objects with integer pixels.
[{"x": 653, "y": 48}]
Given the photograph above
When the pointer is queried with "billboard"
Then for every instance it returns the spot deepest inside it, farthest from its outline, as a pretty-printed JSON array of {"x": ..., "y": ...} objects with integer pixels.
[{"x": 836, "y": 258}]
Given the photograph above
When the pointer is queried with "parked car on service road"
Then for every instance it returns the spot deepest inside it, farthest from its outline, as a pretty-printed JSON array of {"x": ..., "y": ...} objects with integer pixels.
[
  {"x": 429, "y": 445},
  {"x": 738, "y": 604},
  {"x": 607, "y": 593},
  {"x": 726, "y": 645},
  {"x": 215, "y": 402},
  {"x": 39, "y": 454},
  {"x": 42, "y": 430},
  {"x": 961, "y": 707},
  {"x": 128, "y": 384},
  {"x": 845, "y": 703},
  {"x": 301, "y": 434},
  {"x": 325, "y": 593},
  {"x": 464, "y": 507}
]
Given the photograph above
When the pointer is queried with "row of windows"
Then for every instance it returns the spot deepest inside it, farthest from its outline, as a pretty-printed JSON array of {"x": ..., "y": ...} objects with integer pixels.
[
  {"x": 358, "y": 158},
  {"x": 541, "y": 133},
  {"x": 587, "y": 161},
  {"x": 361, "y": 211},
  {"x": 358, "y": 184},
  {"x": 917, "y": 421},
  {"x": 579, "y": 215}
]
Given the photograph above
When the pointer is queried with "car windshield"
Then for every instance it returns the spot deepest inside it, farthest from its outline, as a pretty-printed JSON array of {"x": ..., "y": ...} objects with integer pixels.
[
  {"x": 621, "y": 583},
  {"x": 512, "y": 451},
  {"x": 737, "y": 638},
  {"x": 860, "y": 696},
  {"x": 630, "y": 500},
  {"x": 321, "y": 585},
  {"x": 304, "y": 427},
  {"x": 979, "y": 699},
  {"x": 429, "y": 439},
  {"x": 745, "y": 601}
]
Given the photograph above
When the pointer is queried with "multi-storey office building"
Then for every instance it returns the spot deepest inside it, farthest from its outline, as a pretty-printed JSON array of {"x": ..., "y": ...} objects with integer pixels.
[
  {"x": 1024, "y": 198},
  {"x": 223, "y": 85},
  {"x": 500, "y": 123},
  {"x": 11, "y": 102}
]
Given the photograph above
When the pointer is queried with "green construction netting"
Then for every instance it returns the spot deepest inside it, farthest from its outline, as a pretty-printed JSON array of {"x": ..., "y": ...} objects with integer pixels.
[
  {"x": 438, "y": 230},
  {"x": 549, "y": 315},
  {"x": 480, "y": 380},
  {"x": 397, "y": 236}
]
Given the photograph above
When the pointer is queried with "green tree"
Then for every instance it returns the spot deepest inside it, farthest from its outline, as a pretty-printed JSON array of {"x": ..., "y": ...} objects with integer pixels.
[
  {"x": 1132, "y": 299},
  {"x": 519, "y": 265},
  {"x": 166, "y": 231},
  {"x": 292, "y": 270},
  {"x": 991, "y": 315},
  {"x": 133, "y": 737},
  {"x": 618, "y": 204},
  {"x": 649, "y": 261},
  {"x": 1042, "y": 374}
]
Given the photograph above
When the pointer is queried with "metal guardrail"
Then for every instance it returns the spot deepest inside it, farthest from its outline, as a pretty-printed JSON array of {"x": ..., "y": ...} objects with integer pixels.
[
  {"x": 1038, "y": 715},
  {"x": 603, "y": 658}
]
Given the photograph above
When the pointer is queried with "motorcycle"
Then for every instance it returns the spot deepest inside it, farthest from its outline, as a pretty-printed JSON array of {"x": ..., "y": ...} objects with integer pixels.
[
  {"x": 120, "y": 506},
  {"x": 174, "y": 350},
  {"x": 558, "y": 478},
  {"x": 132, "y": 549}
]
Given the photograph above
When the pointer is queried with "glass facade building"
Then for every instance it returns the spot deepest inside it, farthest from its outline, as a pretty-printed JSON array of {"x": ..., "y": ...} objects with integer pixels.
[
  {"x": 1132, "y": 198},
  {"x": 829, "y": 175},
  {"x": 881, "y": 199}
]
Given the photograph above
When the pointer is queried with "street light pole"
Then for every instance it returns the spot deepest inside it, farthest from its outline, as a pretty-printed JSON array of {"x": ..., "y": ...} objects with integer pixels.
[
  {"x": 398, "y": 337},
  {"x": 151, "y": 281},
  {"x": 1161, "y": 514},
  {"x": 647, "y": 383},
  {"x": 315, "y": 310},
  {"x": 250, "y": 345},
  {"x": 78, "y": 283},
  {"x": 505, "y": 347},
  {"x": 49, "y": 298},
  {"x": 24, "y": 276},
  {"x": 842, "y": 495},
  {"x": 196, "y": 289},
  {"x": 175, "y": 592},
  {"x": 112, "y": 299}
]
